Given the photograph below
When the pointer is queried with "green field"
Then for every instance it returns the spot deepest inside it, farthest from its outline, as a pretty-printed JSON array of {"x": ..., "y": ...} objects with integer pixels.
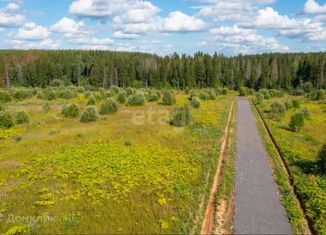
[
  {"x": 128, "y": 172},
  {"x": 300, "y": 150}
]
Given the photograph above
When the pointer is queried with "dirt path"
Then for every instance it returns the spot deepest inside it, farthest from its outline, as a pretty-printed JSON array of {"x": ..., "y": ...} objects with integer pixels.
[
  {"x": 258, "y": 209},
  {"x": 209, "y": 215}
]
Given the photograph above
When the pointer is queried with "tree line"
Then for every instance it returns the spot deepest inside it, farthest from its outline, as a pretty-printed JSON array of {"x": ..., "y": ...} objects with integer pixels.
[{"x": 125, "y": 69}]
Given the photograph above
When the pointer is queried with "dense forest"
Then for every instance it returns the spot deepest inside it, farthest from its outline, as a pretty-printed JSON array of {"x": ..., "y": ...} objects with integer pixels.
[{"x": 104, "y": 68}]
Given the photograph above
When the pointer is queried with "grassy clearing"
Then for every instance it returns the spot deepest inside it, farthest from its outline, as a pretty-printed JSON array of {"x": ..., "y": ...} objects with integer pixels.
[
  {"x": 112, "y": 175},
  {"x": 300, "y": 150}
]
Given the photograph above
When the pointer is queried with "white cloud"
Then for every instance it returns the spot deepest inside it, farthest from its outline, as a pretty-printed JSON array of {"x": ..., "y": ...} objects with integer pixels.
[
  {"x": 92, "y": 41},
  {"x": 43, "y": 44},
  {"x": 70, "y": 27},
  {"x": 8, "y": 16},
  {"x": 122, "y": 35},
  {"x": 180, "y": 22},
  {"x": 312, "y": 7},
  {"x": 241, "y": 40},
  {"x": 303, "y": 29},
  {"x": 31, "y": 31},
  {"x": 106, "y": 8}
]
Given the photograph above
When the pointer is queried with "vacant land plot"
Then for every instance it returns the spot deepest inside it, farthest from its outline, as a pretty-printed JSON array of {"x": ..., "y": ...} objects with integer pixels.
[{"x": 128, "y": 172}]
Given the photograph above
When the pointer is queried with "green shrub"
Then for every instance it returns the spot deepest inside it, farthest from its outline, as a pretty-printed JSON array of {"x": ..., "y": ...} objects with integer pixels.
[
  {"x": 259, "y": 97},
  {"x": 80, "y": 89},
  {"x": 52, "y": 95},
  {"x": 115, "y": 89},
  {"x": 122, "y": 97},
  {"x": 4, "y": 97},
  {"x": 109, "y": 106},
  {"x": 129, "y": 91},
  {"x": 297, "y": 122},
  {"x": 22, "y": 117},
  {"x": 296, "y": 104},
  {"x": 306, "y": 113},
  {"x": 224, "y": 91},
  {"x": 168, "y": 98},
  {"x": 298, "y": 92},
  {"x": 242, "y": 91},
  {"x": 46, "y": 108},
  {"x": 89, "y": 115},
  {"x": 320, "y": 95},
  {"x": 6, "y": 120},
  {"x": 212, "y": 95},
  {"x": 56, "y": 83},
  {"x": 137, "y": 99},
  {"x": 322, "y": 159},
  {"x": 204, "y": 95},
  {"x": 288, "y": 105},
  {"x": 88, "y": 94},
  {"x": 153, "y": 97},
  {"x": 277, "y": 109},
  {"x": 70, "y": 111},
  {"x": 181, "y": 116},
  {"x": 91, "y": 100},
  {"x": 21, "y": 94},
  {"x": 40, "y": 95},
  {"x": 2, "y": 108},
  {"x": 195, "y": 102},
  {"x": 67, "y": 94}
]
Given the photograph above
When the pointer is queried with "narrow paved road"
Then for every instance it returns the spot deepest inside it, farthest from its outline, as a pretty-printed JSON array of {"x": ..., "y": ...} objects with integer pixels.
[{"x": 258, "y": 209}]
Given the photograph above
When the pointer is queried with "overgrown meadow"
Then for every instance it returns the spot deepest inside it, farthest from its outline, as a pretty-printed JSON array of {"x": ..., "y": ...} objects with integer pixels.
[
  {"x": 298, "y": 124},
  {"x": 107, "y": 161}
]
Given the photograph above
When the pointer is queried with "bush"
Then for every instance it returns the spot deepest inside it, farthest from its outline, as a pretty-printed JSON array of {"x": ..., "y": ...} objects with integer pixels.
[
  {"x": 320, "y": 95},
  {"x": 212, "y": 95},
  {"x": 259, "y": 97},
  {"x": 67, "y": 94},
  {"x": 288, "y": 105},
  {"x": 40, "y": 95},
  {"x": 109, "y": 106},
  {"x": 181, "y": 116},
  {"x": 138, "y": 99},
  {"x": 122, "y": 97},
  {"x": 168, "y": 98},
  {"x": 242, "y": 91},
  {"x": 46, "y": 108},
  {"x": 204, "y": 95},
  {"x": 70, "y": 111},
  {"x": 91, "y": 100},
  {"x": 129, "y": 91},
  {"x": 4, "y": 97},
  {"x": 22, "y": 117},
  {"x": 56, "y": 83},
  {"x": 298, "y": 92},
  {"x": 89, "y": 115},
  {"x": 296, "y": 104},
  {"x": 306, "y": 113},
  {"x": 80, "y": 89},
  {"x": 195, "y": 102},
  {"x": 277, "y": 109},
  {"x": 297, "y": 122},
  {"x": 153, "y": 97},
  {"x": 224, "y": 91},
  {"x": 6, "y": 120},
  {"x": 88, "y": 94},
  {"x": 51, "y": 95},
  {"x": 322, "y": 159},
  {"x": 21, "y": 94}
]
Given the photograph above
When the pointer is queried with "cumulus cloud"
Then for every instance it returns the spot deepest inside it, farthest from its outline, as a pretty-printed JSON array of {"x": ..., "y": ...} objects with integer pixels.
[
  {"x": 242, "y": 40},
  {"x": 180, "y": 22},
  {"x": 122, "y": 35},
  {"x": 106, "y": 8},
  {"x": 31, "y": 31},
  {"x": 25, "y": 45},
  {"x": 9, "y": 17},
  {"x": 92, "y": 41},
  {"x": 70, "y": 27},
  {"x": 313, "y": 7},
  {"x": 303, "y": 29}
]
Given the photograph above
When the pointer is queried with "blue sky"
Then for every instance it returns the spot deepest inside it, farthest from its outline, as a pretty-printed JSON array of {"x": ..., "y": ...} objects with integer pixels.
[{"x": 165, "y": 26}]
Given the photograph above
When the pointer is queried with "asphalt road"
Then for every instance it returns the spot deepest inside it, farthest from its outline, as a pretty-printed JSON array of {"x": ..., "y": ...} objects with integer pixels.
[{"x": 258, "y": 209}]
